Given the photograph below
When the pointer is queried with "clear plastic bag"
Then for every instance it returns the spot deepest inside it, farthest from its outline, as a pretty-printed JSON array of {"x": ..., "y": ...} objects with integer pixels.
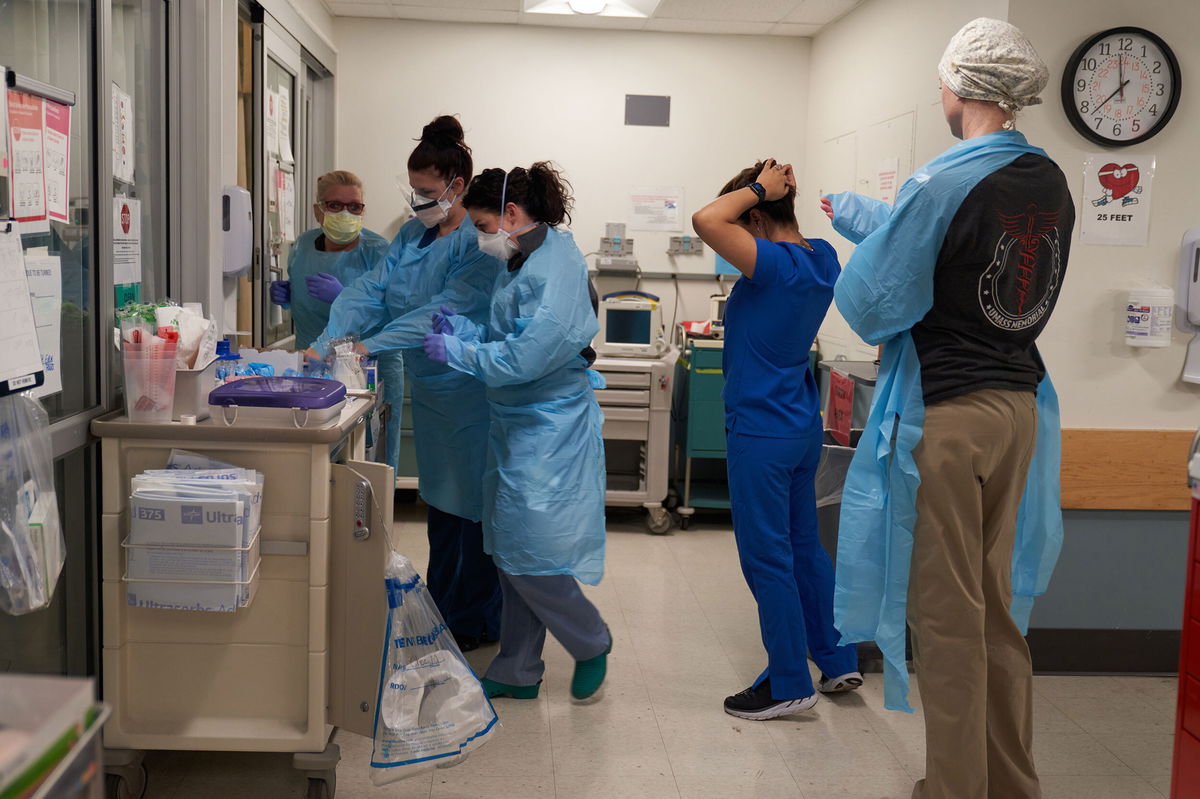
[
  {"x": 32, "y": 548},
  {"x": 431, "y": 709}
]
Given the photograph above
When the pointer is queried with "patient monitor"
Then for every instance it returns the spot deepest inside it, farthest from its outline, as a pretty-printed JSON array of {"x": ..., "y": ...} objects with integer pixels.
[{"x": 631, "y": 325}]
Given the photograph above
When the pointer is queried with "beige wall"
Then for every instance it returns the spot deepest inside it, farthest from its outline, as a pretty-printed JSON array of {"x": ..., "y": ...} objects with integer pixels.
[{"x": 529, "y": 93}]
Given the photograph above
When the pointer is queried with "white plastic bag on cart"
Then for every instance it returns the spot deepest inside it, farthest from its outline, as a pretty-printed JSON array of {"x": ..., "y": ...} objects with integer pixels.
[
  {"x": 431, "y": 709},
  {"x": 32, "y": 548}
]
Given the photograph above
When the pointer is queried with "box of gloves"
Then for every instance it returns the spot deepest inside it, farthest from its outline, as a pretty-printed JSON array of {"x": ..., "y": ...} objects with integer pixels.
[{"x": 193, "y": 539}]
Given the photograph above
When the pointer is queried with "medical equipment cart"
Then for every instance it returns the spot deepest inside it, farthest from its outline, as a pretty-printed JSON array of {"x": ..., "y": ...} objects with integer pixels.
[
  {"x": 1185, "y": 775},
  {"x": 302, "y": 658},
  {"x": 700, "y": 423},
  {"x": 637, "y": 433}
]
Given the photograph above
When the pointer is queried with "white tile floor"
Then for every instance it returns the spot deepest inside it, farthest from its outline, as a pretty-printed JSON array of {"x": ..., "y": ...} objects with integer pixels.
[{"x": 685, "y": 635}]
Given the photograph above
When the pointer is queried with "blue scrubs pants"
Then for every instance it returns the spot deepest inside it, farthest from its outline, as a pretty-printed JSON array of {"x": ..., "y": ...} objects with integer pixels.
[
  {"x": 534, "y": 603},
  {"x": 788, "y": 571},
  {"x": 461, "y": 577}
]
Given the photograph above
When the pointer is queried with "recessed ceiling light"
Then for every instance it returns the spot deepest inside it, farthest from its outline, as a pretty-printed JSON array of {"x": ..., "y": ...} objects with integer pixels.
[{"x": 593, "y": 8}]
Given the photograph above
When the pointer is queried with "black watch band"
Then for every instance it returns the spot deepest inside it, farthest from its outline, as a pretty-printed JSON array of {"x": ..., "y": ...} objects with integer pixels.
[{"x": 758, "y": 189}]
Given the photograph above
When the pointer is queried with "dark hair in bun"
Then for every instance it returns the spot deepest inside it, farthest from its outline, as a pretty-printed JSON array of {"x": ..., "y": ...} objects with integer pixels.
[
  {"x": 541, "y": 190},
  {"x": 443, "y": 149}
]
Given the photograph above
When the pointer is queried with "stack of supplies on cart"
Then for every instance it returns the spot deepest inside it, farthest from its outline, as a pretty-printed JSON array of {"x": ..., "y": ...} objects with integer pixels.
[{"x": 194, "y": 538}]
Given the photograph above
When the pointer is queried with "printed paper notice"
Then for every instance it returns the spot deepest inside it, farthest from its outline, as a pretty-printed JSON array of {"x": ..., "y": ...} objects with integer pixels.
[
  {"x": 287, "y": 207},
  {"x": 27, "y": 200},
  {"x": 1116, "y": 199},
  {"x": 122, "y": 135},
  {"x": 271, "y": 123},
  {"x": 57, "y": 157},
  {"x": 127, "y": 240},
  {"x": 285, "y": 128},
  {"x": 841, "y": 406},
  {"x": 19, "y": 355},
  {"x": 44, "y": 274},
  {"x": 888, "y": 174},
  {"x": 656, "y": 208}
]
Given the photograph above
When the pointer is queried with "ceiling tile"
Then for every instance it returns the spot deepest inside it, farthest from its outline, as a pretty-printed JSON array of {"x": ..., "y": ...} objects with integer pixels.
[
  {"x": 742, "y": 10},
  {"x": 441, "y": 14},
  {"x": 708, "y": 26},
  {"x": 359, "y": 9},
  {"x": 584, "y": 21},
  {"x": 473, "y": 5},
  {"x": 794, "y": 29},
  {"x": 820, "y": 12}
]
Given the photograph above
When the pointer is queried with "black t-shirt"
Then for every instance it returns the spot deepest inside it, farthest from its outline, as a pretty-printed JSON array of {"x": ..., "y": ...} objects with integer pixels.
[{"x": 998, "y": 277}]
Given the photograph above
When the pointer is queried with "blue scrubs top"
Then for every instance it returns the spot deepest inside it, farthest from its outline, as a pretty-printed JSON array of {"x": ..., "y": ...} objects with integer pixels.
[{"x": 771, "y": 321}]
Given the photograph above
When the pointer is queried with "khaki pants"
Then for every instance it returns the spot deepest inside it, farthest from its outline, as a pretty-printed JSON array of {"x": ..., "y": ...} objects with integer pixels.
[{"x": 972, "y": 663}]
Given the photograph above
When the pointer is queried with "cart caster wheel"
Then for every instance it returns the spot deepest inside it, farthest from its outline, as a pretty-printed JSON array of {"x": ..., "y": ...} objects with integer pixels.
[
  {"x": 658, "y": 521},
  {"x": 685, "y": 522},
  {"x": 117, "y": 787},
  {"x": 672, "y": 500},
  {"x": 321, "y": 789}
]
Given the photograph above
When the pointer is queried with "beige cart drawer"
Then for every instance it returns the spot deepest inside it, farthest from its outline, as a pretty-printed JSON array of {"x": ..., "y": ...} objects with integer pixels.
[
  {"x": 627, "y": 379},
  {"x": 610, "y": 396}
]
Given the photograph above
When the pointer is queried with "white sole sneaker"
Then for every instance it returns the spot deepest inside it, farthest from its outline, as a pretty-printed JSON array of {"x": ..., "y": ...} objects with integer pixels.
[
  {"x": 851, "y": 681},
  {"x": 783, "y": 708}
]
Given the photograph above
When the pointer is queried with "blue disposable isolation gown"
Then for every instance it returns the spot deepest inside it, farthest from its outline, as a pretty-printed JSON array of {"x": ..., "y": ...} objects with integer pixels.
[
  {"x": 310, "y": 315},
  {"x": 544, "y": 487},
  {"x": 394, "y": 305},
  {"x": 885, "y": 289}
]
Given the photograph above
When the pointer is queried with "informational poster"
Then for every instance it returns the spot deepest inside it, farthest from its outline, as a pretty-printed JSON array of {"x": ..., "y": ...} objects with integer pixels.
[
  {"x": 1116, "y": 199},
  {"x": 57, "y": 157},
  {"x": 44, "y": 274},
  {"x": 841, "y": 405},
  {"x": 122, "y": 135},
  {"x": 5, "y": 197},
  {"x": 885, "y": 180},
  {"x": 20, "y": 359},
  {"x": 127, "y": 240},
  {"x": 285, "y": 127},
  {"x": 274, "y": 186},
  {"x": 27, "y": 181},
  {"x": 656, "y": 208},
  {"x": 271, "y": 123},
  {"x": 287, "y": 207}
]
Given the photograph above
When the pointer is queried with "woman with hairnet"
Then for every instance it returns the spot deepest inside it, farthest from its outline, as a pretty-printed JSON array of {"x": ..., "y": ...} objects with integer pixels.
[
  {"x": 327, "y": 258},
  {"x": 433, "y": 262},
  {"x": 774, "y": 433},
  {"x": 951, "y": 502},
  {"x": 544, "y": 487}
]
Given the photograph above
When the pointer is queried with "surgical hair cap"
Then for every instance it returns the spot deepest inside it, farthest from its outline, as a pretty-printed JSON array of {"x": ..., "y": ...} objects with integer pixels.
[{"x": 991, "y": 60}]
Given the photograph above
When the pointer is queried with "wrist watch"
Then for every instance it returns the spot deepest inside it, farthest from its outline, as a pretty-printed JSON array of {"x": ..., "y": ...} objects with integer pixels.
[{"x": 758, "y": 189}]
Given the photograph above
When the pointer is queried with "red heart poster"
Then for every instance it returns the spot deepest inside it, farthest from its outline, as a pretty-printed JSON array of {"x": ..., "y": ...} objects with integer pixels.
[{"x": 1116, "y": 199}]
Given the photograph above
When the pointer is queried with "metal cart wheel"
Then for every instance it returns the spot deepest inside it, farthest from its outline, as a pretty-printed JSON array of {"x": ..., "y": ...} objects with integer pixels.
[
  {"x": 658, "y": 521},
  {"x": 117, "y": 786},
  {"x": 685, "y": 522},
  {"x": 322, "y": 789}
]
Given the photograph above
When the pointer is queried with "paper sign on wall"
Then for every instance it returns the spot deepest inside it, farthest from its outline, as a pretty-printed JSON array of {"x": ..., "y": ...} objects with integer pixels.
[
  {"x": 841, "y": 406},
  {"x": 122, "y": 135},
  {"x": 127, "y": 240},
  {"x": 1116, "y": 199},
  {"x": 285, "y": 127},
  {"x": 20, "y": 359},
  {"x": 57, "y": 158},
  {"x": 287, "y": 207},
  {"x": 656, "y": 208},
  {"x": 271, "y": 123},
  {"x": 44, "y": 274},
  {"x": 27, "y": 182},
  {"x": 885, "y": 179}
]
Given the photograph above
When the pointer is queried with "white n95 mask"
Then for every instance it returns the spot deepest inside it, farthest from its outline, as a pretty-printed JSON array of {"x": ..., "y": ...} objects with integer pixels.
[
  {"x": 497, "y": 245},
  {"x": 432, "y": 212}
]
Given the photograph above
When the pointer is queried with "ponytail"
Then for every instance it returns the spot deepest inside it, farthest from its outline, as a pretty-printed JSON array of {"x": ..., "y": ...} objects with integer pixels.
[{"x": 540, "y": 190}]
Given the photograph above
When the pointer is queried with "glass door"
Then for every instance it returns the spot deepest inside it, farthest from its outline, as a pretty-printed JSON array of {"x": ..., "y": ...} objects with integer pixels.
[{"x": 281, "y": 178}]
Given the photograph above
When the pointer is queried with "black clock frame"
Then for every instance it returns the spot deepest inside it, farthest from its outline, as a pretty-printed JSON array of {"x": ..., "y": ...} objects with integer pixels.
[{"x": 1068, "y": 91}]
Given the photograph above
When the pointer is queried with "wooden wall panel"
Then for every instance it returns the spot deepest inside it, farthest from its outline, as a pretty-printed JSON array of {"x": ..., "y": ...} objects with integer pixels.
[{"x": 1125, "y": 469}]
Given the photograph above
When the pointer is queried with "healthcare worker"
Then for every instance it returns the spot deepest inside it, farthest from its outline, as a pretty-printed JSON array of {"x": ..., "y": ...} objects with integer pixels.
[
  {"x": 957, "y": 281},
  {"x": 544, "y": 487},
  {"x": 774, "y": 432},
  {"x": 328, "y": 258},
  {"x": 434, "y": 261}
]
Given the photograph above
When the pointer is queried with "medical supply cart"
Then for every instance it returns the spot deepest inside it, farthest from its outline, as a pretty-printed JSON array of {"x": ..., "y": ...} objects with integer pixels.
[
  {"x": 1185, "y": 774},
  {"x": 637, "y": 433},
  {"x": 302, "y": 658},
  {"x": 700, "y": 423}
]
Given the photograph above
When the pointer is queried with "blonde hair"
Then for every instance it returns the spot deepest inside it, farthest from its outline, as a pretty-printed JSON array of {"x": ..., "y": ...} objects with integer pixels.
[{"x": 338, "y": 177}]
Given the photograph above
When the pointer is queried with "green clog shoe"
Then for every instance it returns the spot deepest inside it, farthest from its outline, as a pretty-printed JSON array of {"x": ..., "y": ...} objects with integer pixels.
[
  {"x": 589, "y": 674},
  {"x": 496, "y": 690}
]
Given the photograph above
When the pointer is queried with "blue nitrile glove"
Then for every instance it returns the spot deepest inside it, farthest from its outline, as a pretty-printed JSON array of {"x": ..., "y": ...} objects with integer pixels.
[
  {"x": 281, "y": 292},
  {"x": 442, "y": 348},
  {"x": 323, "y": 286},
  {"x": 441, "y": 321}
]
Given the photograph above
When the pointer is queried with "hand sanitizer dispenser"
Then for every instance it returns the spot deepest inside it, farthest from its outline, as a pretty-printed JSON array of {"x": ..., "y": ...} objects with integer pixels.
[
  {"x": 1187, "y": 301},
  {"x": 237, "y": 230}
]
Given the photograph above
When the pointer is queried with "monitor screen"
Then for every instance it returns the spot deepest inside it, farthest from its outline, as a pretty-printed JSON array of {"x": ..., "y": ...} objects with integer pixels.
[
  {"x": 627, "y": 327},
  {"x": 720, "y": 312}
]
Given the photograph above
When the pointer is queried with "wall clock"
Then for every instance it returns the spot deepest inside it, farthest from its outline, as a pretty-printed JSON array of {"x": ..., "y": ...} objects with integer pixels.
[{"x": 1121, "y": 86}]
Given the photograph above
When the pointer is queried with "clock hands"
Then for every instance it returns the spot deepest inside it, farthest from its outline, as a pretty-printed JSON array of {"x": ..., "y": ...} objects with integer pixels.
[
  {"x": 1119, "y": 89},
  {"x": 1121, "y": 75}
]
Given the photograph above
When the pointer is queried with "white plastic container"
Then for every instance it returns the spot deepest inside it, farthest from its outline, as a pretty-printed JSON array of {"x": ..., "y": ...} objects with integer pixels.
[
  {"x": 191, "y": 391},
  {"x": 1149, "y": 315}
]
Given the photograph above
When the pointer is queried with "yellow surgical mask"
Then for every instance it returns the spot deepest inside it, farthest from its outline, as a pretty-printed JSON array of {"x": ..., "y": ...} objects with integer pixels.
[{"x": 342, "y": 227}]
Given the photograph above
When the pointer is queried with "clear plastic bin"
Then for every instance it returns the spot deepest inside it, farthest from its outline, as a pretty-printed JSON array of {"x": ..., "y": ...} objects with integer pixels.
[{"x": 149, "y": 381}]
